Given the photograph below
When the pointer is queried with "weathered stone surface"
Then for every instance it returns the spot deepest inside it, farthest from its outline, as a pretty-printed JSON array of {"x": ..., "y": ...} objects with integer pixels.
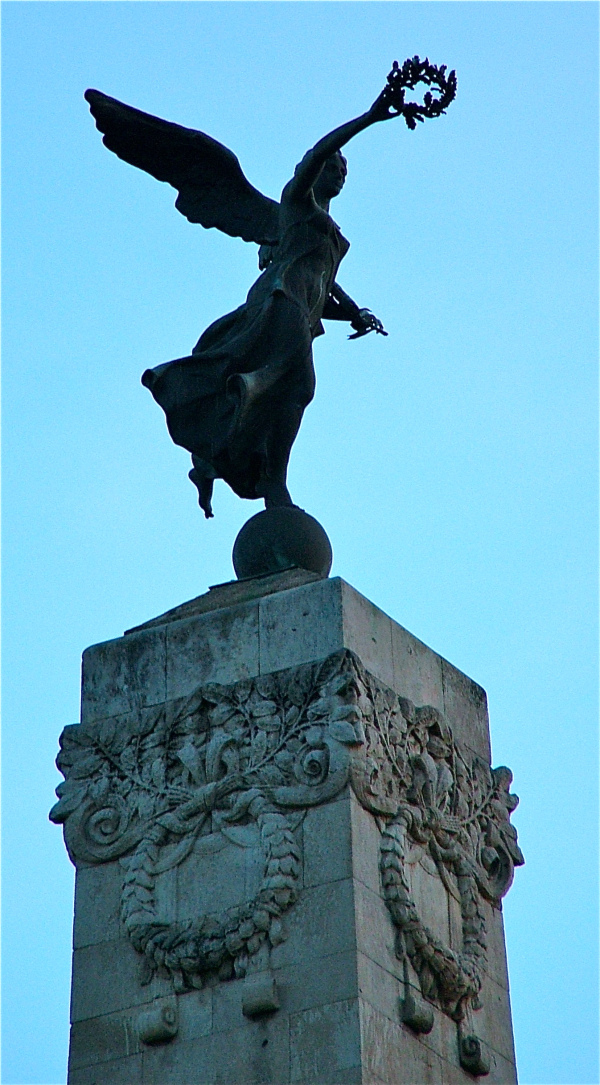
[
  {"x": 417, "y": 670},
  {"x": 465, "y": 707},
  {"x": 300, "y": 626},
  {"x": 306, "y": 985},
  {"x": 103, "y": 1039},
  {"x": 97, "y": 902},
  {"x": 327, "y": 844},
  {"x": 106, "y": 978},
  {"x": 123, "y": 675},
  {"x": 218, "y": 647},
  {"x": 319, "y": 925},
  {"x": 231, "y": 594},
  {"x": 325, "y": 1042},
  {"x": 195, "y": 1015},
  {"x": 116, "y": 1072},
  {"x": 179, "y": 1064},
  {"x": 392, "y": 1054},
  {"x": 287, "y": 792},
  {"x": 368, "y": 632},
  {"x": 496, "y": 966},
  {"x": 256, "y": 1053}
]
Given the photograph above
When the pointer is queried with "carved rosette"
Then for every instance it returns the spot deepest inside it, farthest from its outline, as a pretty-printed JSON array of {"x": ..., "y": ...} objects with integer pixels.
[{"x": 261, "y": 752}]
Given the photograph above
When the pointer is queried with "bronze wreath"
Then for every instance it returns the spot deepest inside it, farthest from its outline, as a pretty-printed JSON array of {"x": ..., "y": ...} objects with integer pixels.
[{"x": 414, "y": 71}]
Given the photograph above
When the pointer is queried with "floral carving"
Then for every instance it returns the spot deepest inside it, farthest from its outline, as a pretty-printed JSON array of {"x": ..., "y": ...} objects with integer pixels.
[
  {"x": 426, "y": 791},
  {"x": 260, "y": 752}
]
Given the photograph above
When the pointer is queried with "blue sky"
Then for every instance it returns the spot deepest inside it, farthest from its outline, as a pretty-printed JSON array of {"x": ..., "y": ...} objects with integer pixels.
[{"x": 452, "y": 464}]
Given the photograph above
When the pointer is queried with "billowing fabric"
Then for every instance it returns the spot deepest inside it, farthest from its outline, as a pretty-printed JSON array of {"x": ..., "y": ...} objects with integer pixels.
[{"x": 235, "y": 400}]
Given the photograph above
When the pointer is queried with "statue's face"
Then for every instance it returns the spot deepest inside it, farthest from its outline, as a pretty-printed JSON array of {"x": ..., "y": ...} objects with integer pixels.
[{"x": 332, "y": 177}]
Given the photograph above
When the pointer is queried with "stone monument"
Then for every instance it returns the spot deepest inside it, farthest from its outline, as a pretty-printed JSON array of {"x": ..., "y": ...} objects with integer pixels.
[
  {"x": 291, "y": 850},
  {"x": 291, "y": 847}
]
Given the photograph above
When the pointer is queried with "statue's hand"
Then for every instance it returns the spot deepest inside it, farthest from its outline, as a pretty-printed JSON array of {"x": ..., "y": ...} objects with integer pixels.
[
  {"x": 364, "y": 322},
  {"x": 385, "y": 106}
]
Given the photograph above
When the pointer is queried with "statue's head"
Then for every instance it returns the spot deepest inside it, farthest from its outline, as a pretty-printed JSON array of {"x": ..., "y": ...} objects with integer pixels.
[{"x": 332, "y": 177}]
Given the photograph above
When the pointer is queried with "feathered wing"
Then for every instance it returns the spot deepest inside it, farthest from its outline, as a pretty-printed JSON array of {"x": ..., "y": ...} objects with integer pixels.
[{"x": 212, "y": 187}]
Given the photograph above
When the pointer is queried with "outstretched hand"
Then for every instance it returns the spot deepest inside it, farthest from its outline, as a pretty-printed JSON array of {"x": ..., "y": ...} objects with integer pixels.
[
  {"x": 366, "y": 322},
  {"x": 386, "y": 105}
]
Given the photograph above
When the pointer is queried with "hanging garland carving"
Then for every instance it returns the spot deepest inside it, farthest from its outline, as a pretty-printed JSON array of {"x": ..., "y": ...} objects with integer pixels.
[{"x": 259, "y": 753}]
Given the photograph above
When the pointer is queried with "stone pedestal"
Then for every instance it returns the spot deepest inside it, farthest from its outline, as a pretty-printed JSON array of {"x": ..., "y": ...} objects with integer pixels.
[{"x": 290, "y": 851}]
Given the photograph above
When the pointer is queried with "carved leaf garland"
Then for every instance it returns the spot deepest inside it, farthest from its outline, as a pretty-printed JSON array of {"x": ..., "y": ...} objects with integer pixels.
[{"x": 261, "y": 752}]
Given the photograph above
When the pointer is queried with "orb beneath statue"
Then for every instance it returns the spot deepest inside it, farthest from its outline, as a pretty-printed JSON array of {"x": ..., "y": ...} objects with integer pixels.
[{"x": 281, "y": 538}]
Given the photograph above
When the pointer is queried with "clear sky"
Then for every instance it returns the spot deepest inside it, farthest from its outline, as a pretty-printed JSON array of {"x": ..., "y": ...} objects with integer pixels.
[{"x": 452, "y": 464}]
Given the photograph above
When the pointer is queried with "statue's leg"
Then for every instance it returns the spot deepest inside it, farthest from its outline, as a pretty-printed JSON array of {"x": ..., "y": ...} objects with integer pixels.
[
  {"x": 271, "y": 398},
  {"x": 280, "y": 437},
  {"x": 295, "y": 393},
  {"x": 273, "y": 482}
]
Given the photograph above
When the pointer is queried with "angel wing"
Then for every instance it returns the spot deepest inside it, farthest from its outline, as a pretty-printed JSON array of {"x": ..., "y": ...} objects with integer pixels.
[{"x": 211, "y": 184}]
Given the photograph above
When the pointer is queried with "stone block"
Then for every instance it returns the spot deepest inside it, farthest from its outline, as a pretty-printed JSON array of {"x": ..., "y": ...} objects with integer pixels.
[
  {"x": 375, "y": 936},
  {"x": 221, "y": 646},
  {"x": 122, "y": 675},
  {"x": 111, "y": 1037},
  {"x": 465, "y": 708},
  {"x": 443, "y": 1038},
  {"x": 417, "y": 669},
  {"x": 308, "y": 984},
  {"x": 325, "y": 1042},
  {"x": 367, "y": 630},
  {"x": 428, "y": 893},
  {"x": 254, "y": 869},
  {"x": 391, "y": 1053},
  {"x": 227, "y": 1006},
  {"x": 495, "y": 1017},
  {"x": 190, "y": 1063},
  {"x": 327, "y": 843},
  {"x": 165, "y": 895},
  {"x": 380, "y": 988},
  {"x": 501, "y": 1073},
  {"x": 496, "y": 946},
  {"x": 97, "y": 902},
  {"x": 106, "y": 978},
  {"x": 321, "y": 923},
  {"x": 195, "y": 1015},
  {"x": 201, "y": 887},
  {"x": 116, "y": 1072},
  {"x": 256, "y": 1053},
  {"x": 230, "y": 594},
  {"x": 301, "y": 625},
  {"x": 365, "y": 846}
]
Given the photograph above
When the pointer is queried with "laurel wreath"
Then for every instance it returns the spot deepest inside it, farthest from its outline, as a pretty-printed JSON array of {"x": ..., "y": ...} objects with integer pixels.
[{"x": 414, "y": 71}]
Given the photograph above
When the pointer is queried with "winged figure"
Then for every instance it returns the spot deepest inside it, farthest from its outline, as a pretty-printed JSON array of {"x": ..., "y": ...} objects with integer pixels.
[{"x": 236, "y": 402}]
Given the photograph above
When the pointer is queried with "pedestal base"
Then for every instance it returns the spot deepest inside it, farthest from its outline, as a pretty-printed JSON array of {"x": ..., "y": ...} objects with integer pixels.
[{"x": 290, "y": 851}]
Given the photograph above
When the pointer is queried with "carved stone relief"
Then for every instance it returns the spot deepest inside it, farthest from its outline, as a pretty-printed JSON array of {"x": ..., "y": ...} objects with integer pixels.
[{"x": 256, "y": 755}]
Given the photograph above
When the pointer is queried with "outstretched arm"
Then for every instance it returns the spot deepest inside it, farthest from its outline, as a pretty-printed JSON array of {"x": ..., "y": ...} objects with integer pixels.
[
  {"x": 340, "y": 306},
  {"x": 308, "y": 170}
]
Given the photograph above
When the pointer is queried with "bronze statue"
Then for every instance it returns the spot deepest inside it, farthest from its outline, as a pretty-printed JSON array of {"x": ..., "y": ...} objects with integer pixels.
[{"x": 237, "y": 401}]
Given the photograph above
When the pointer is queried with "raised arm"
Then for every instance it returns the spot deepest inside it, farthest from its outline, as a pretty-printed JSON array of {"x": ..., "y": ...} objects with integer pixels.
[{"x": 308, "y": 170}]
